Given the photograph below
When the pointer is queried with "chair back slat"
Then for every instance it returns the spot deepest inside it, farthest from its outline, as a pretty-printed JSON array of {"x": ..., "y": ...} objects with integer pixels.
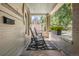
[
  {"x": 32, "y": 32},
  {"x": 35, "y": 31}
]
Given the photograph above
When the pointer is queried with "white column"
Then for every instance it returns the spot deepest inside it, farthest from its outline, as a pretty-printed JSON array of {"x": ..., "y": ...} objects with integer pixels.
[{"x": 47, "y": 22}]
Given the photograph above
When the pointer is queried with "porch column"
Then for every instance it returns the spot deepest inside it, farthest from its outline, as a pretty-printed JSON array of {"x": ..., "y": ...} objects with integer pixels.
[
  {"x": 47, "y": 22},
  {"x": 75, "y": 29},
  {"x": 27, "y": 17},
  {"x": 29, "y": 22}
]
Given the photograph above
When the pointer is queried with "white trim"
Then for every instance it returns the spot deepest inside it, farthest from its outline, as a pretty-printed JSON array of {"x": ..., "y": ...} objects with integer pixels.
[{"x": 56, "y": 8}]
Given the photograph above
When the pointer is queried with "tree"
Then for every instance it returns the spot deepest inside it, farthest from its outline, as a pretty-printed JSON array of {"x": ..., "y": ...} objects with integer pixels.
[
  {"x": 63, "y": 16},
  {"x": 42, "y": 22}
]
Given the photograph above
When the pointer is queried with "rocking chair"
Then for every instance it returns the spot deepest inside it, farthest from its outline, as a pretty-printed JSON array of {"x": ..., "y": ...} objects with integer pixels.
[{"x": 38, "y": 40}]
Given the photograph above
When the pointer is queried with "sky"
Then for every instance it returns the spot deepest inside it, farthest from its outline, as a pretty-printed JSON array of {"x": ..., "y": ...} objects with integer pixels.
[{"x": 37, "y": 17}]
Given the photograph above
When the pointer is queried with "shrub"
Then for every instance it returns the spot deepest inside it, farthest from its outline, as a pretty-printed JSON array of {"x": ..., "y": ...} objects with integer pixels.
[{"x": 56, "y": 28}]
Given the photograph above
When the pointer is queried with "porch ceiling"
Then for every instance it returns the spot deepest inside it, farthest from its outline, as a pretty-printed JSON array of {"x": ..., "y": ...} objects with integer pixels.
[{"x": 40, "y": 8}]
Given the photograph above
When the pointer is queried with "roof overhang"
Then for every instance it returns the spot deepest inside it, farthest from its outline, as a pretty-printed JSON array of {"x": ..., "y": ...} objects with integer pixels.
[
  {"x": 56, "y": 8},
  {"x": 40, "y": 8}
]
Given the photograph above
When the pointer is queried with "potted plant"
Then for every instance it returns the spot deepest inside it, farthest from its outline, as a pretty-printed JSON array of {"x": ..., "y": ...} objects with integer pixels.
[{"x": 57, "y": 29}]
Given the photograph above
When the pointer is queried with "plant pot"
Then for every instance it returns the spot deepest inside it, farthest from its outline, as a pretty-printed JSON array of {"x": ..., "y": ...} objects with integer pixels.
[
  {"x": 56, "y": 32},
  {"x": 59, "y": 32}
]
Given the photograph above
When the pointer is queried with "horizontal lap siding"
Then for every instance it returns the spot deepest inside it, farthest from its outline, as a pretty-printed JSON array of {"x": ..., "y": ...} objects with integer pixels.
[{"x": 11, "y": 36}]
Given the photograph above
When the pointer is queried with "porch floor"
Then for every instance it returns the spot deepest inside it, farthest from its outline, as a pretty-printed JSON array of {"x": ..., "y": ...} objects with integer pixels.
[{"x": 42, "y": 52}]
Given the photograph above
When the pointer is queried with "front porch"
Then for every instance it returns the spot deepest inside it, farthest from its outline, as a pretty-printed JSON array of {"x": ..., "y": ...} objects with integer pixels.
[
  {"x": 52, "y": 51},
  {"x": 59, "y": 45}
]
